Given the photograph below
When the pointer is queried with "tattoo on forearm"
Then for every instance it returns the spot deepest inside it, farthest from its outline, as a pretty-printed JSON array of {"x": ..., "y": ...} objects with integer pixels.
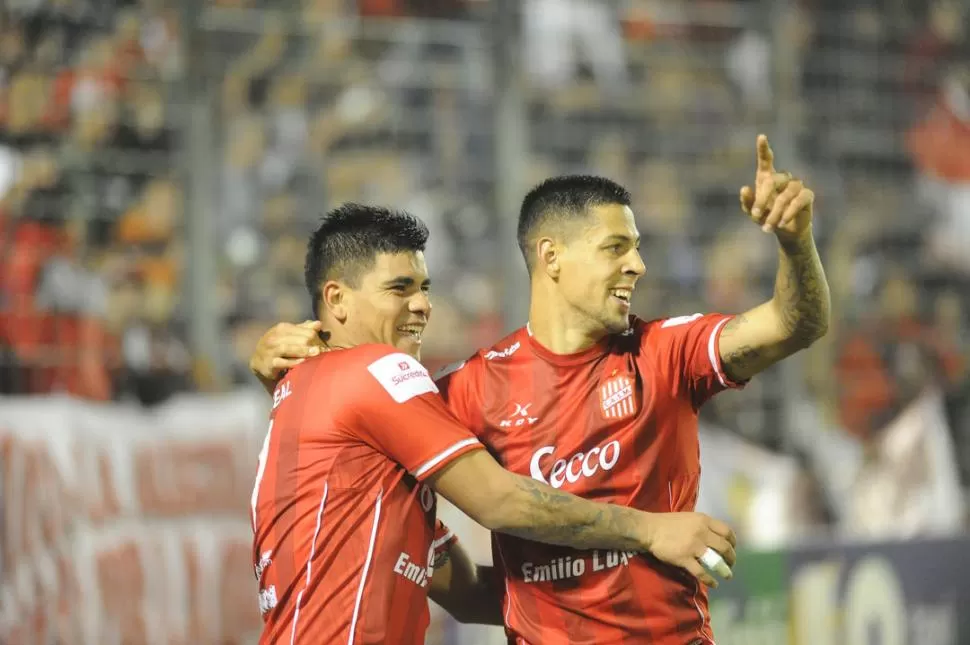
[
  {"x": 802, "y": 291},
  {"x": 441, "y": 559},
  {"x": 801, "y": 300},
  {"x": 560, "y": 518}
]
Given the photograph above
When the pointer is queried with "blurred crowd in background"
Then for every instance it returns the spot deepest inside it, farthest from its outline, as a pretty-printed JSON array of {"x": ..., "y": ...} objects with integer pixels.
[{"x": 391, "y": 101}]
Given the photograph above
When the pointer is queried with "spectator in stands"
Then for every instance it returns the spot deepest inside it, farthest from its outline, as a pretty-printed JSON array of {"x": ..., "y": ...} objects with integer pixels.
[
  {"x": 559, "y": 35},
  {"x": 932, "y": 47},
  {"x": 940, "y": 145}
]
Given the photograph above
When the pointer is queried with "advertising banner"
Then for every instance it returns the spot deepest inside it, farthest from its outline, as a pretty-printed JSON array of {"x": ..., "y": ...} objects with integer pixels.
[
  {"x": 903, "y": 593},
  {"x": 121, "y": 526},
  {"x": 126, "y": 526}
]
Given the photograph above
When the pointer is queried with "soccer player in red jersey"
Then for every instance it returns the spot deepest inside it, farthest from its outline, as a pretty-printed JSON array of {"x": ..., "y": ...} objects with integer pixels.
[
  {"x": 594, "y": 401},
  {"x": 343, "y": 506}
]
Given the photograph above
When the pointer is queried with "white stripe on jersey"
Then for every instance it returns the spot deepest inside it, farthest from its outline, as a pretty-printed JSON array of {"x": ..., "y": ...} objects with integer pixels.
[
  {"x": 363, "y": 575},
  {"x": 309, "y": 562}
]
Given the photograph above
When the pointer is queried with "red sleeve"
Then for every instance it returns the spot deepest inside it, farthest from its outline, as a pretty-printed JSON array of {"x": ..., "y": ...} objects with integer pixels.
[
  {"x": 397, "y": 410},
  {"x": 459, "y": 384},
  {"x": 689, "y": 350},
  {"x": 443, "y": 540}
]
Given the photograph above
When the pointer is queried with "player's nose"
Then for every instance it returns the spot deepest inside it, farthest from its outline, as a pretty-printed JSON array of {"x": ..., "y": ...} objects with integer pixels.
[
  {"x": 420, "y": 303},
  {"x": 634, "y": 264}
]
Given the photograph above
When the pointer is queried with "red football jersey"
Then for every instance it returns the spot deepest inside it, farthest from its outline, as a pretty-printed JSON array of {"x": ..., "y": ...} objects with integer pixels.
[
  {"x": 345, "y": 532},
  {"x": 614, "y": 423}
]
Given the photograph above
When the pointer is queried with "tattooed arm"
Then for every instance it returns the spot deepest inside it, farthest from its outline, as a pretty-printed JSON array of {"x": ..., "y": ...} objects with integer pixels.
[
  {"x": 521, "y": 506},
  {"x": 798, "y": 313},
  {"x": 796, "y": 316},
  {"x": 508, "y": 503}
]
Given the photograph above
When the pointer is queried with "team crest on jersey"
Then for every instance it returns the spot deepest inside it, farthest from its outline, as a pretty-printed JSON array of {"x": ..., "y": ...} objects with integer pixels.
[{"x": 618, "y": 397}]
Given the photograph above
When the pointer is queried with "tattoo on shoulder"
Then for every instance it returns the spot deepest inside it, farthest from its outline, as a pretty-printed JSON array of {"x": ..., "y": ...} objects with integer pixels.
[
  {"x": 733, "y": 324},
  {"x": 745, "y": 358}
]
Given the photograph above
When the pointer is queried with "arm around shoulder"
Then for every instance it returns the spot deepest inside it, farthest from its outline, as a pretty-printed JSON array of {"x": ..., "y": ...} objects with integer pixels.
[
  {"x": 521, "y": 506},
  {"x": 508, "y": 503}
]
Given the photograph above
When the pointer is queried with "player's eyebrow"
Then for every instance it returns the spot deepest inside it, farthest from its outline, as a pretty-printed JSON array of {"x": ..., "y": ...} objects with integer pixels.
[
  {"x": 624, "y": 239},
  {"x": 405, "y": 281}
]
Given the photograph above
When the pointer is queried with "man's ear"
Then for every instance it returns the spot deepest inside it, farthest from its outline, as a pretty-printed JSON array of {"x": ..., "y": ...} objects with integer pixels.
[
  {"x": 547, "y": 257},
  {"x": 333, "y": 298}
]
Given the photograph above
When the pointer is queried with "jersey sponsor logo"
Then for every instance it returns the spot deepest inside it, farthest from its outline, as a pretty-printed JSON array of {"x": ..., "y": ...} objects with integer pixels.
[
  {"x": 402, "y": 376},
  {"x": 579, "y": 466},
  {"x": 617, "y": 397},
  {"x": 282, "y": 392},
  {"x": 503, "y": 353},
  {"x": 679, "y": 320},
  {"x": 574, "y": 567},
  {"x": 419, "y": 575},
  {"x": 519, "y": 417}
]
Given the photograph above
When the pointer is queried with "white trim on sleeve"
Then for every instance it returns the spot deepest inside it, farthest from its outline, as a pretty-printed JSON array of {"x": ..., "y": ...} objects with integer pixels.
[
  {"x": 444, "y": 454},
  {"x": 712, "y": 353}
]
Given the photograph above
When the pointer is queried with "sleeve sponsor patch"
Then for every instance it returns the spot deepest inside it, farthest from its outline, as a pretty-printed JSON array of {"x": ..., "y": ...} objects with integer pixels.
[{"x": 402, "y": 376}]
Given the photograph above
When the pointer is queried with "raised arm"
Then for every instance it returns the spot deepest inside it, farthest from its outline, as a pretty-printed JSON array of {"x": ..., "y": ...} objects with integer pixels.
[
  {"x": 798, "y": 313},
  {"x": 509, "y": 503}
]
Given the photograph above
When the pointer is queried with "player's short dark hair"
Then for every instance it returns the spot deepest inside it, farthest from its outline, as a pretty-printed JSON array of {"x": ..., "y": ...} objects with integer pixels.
[
  {"x": 346, "y": 244},
  {"x": 560, "y": 200}
]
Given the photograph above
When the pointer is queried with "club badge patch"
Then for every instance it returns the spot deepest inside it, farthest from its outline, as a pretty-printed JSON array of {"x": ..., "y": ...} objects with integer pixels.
[{"x": 618, "y": 397}]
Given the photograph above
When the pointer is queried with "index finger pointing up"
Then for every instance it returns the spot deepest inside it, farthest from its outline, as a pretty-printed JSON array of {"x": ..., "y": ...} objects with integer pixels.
[{"x": 766, "y": 158}]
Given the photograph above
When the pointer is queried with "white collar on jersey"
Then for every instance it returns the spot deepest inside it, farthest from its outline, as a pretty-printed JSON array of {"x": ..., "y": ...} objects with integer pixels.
[{"x": 626, "y": 332}]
